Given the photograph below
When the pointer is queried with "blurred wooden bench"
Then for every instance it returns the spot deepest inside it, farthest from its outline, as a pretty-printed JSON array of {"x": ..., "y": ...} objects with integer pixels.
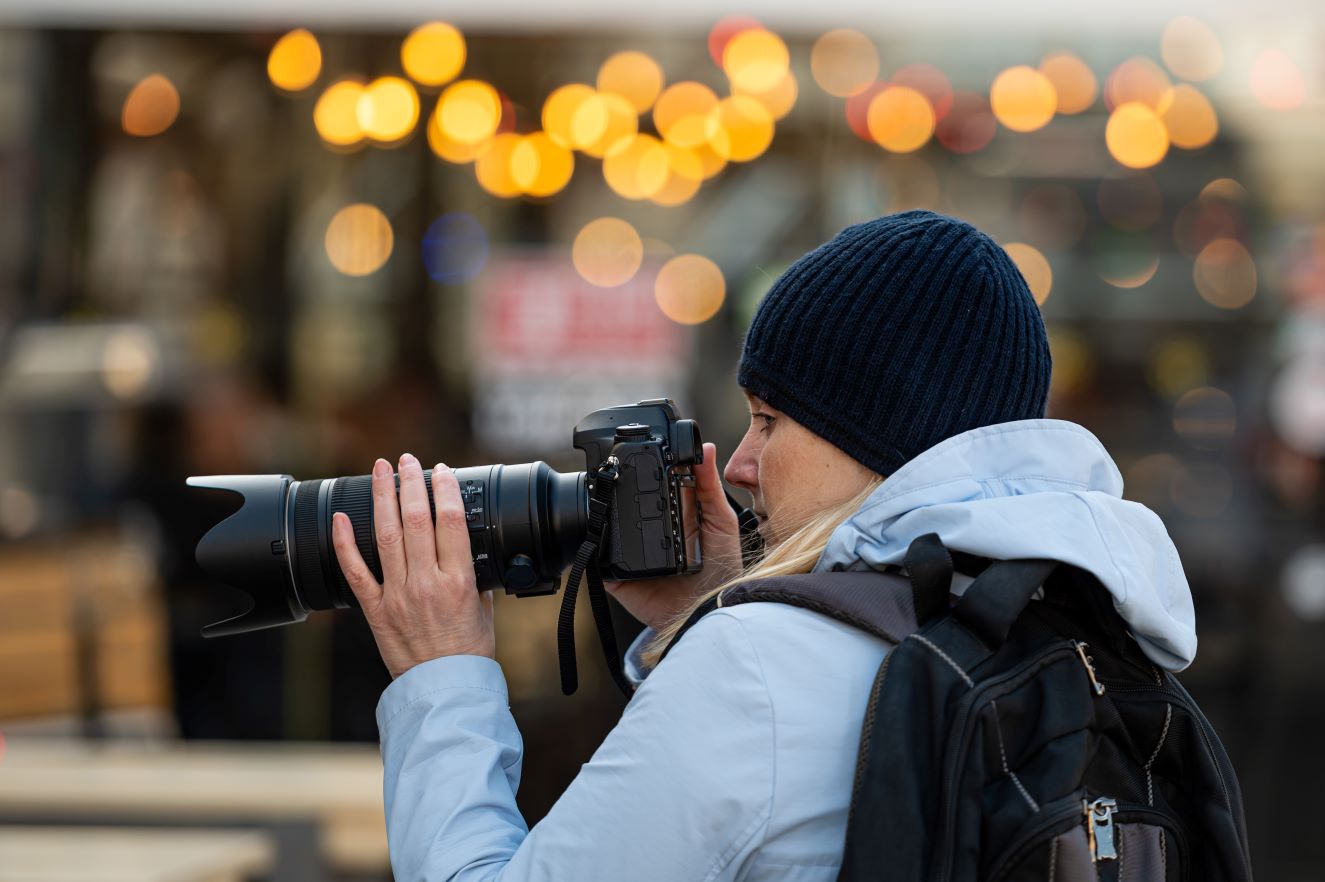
[
  {"x": 334, "y": 791},
  {"x": 130, "y": 854}
]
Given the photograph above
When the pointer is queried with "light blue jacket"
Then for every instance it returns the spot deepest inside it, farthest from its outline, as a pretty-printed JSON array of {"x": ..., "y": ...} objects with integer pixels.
[{"x": 735, "y": 758}]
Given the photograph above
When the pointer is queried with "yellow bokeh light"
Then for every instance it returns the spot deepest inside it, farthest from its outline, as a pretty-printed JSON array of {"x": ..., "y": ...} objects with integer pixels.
[
  {"x": 613, "y": 122},
  {"x": 493, "y": 168},
  {"x": 681, "y": 113},
  {"x": 469, "y": 111},
  {"x": 607, "y": 252},
  {"x": 1034, "y": 268},
  {"x": 638, "y": 169},
  {"x": 1133, "y": 272},
  {"x": 559, "y": 111},
  {"x": 844, "y": 62},
  {"x": 634, "y": 76},
  {"x": 541, "y": 166},
  {"x": 448, "y": 149},
  {"x": 755, "y": 60},
  {"x": 433, "y": 53},
  {"x": 1277, "y": 81},
  {"x": 151, "y": 107},
  {"x": 1023, "y": 99},
  {"x": 1189, "y": 117},
  {"x": 689, "y": 289},
  {"x": 1136, "y": 136},
  {"x": 130, "y": 363},
  {"x": 1223, "y": 188},
  {"x": 685, "y": 172},
  {"x": 1073, "y": 81},
  {"x": 1191, "y": 50},
  {"x": 901, "y": 120},
  {"x": 359, "y": 239},
  {"x": 710, "y": 162},
  {"x": 1177, "y": 366},
  {"x": 295, "y": 61},
  {"x": 740, "y": 128},
  {"x": 1137, "y": 79},
  {"x": 336, "y": 114},
  {"x": 388, "y": 109},
  {"x": 780, "y": 99},
  {"x": 1225, "y": 274}
]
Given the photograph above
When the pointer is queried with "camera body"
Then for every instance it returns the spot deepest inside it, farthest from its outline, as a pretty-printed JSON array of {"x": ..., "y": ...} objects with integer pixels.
[{"x": 653, "y": 526}]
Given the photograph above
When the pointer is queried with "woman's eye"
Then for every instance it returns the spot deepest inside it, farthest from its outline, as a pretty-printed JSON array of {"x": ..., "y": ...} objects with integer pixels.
[{"x": 768, "y": 422}]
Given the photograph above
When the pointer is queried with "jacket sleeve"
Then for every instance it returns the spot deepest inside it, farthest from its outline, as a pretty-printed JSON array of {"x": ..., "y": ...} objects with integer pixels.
[{"x": 681, "y": 788}]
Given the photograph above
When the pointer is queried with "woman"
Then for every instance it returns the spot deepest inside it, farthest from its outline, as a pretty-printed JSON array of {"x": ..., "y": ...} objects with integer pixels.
[{"x": 897, "y": 379}]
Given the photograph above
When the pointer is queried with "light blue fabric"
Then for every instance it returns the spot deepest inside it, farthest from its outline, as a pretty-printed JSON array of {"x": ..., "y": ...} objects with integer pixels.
[{"x": 735, "y": 758}]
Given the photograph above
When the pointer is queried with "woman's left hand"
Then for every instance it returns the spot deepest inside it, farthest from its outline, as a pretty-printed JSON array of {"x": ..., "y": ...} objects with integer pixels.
[{"x": 427, "y": 605}]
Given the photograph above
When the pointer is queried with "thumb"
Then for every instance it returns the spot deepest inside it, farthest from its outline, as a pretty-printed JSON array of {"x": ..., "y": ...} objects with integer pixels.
[{"x": 712, "y": 495}]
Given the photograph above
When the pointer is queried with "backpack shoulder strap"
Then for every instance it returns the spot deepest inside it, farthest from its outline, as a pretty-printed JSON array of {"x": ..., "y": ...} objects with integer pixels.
[{"x": 878, "y": 603}]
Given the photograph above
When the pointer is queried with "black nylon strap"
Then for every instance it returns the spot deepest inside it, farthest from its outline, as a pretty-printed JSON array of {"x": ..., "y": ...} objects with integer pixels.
[
  {"x": 930, "y": 566},
  {"x": 994, "y": 601}
]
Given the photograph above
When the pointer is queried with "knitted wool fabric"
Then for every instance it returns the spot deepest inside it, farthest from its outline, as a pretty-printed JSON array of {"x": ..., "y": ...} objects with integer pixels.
[{"x": 896, "y": 334}]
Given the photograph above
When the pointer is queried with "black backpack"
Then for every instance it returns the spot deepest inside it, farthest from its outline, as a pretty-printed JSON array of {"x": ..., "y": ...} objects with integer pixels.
[{"x": 1009, "y": 740}]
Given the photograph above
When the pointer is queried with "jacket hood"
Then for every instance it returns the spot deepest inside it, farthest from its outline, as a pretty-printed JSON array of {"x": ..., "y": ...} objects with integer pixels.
[{"x": 1032, "y": 489}]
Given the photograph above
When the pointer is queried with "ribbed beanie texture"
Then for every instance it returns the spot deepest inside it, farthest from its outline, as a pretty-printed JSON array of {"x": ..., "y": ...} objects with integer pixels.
[{"x": 897, "y": 334}]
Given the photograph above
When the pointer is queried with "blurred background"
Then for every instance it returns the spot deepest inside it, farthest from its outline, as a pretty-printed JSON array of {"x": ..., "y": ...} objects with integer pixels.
[{"x": 293, "y": 237}]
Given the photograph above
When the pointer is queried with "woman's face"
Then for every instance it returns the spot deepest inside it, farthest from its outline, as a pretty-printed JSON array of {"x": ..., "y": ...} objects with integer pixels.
[{"x": 791, "y": 472}]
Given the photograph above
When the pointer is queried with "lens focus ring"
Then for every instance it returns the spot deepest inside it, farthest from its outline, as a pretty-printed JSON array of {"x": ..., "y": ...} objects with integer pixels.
[{"x": 354, "y": 496}]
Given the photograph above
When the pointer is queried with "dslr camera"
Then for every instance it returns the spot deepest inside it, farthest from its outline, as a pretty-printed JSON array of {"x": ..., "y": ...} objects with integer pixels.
[{"x": 526, "y": 522}]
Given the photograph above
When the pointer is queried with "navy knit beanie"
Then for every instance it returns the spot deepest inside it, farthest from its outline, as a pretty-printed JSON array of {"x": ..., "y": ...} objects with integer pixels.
[{"x": 896, "y": 334}]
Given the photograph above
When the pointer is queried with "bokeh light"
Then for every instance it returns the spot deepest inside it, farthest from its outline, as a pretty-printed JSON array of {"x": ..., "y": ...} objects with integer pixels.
[
  {"x": 1177, "y": 366},
  {"x": 469, "y": 111},
  {"x": 1208, "y": 217},
  {"x": 1205, "y": 417},
  {"x": 388, "y": 109},
  {"x": 1034, "y": 268},
  {"x": 634, "y": 76},
  {"x": 639, "y": 169},
  {"x": 1303, "y": 582},
  {"x": 448, "y": 149},
  {"x": 1023, "y": 99},
  {"x": 1189, "y": 117},
  {"x": 1191, "y": 49},
  {"x": 682, "y": 113},
  {"x": 1125, "y": 259},
  {"x": 901, "y": 120},
  {"x": 844, "y": 62},
  {"x": 929, "y": 81},
  {"x": 1052, "y": 215},
  {"x": 969, "y": 125},
  {"x": 603, "y": 124},
  {"x": 130, "y": 363},
  {"x": 433, "y": 54},
  {"x": 1277, "y": 81},
  {"x": 690, "y": 289},
  {"x": 1297, "y": 405},
  {"x": 1136, "y": 136},
  {"x": 685, "y": 172},
  {"x": 359, "y": 239},
  {"x": 336, "y": 114},
  {"x": 1138, "y": 79},
  {"x": 455, "y": 248},
  {"x": 295, "y": 62},
  {"x": 559, "y": 112},
  {"x": 755, "y": 60},
  {"x": 540, "y": 166},
  {"x": 857, "y": 110},
  {"x": 151, "y": 107},
  {"x": 740, "y": 128},
  {"x": 1202, "y": 490},
  {"x": 722, "y": 33},
  {"x": 1131, "y": 200},
  {"x": 493, "y": 167},
  {"x": 607, "y": 252},
  {"x": 1073, "y": 81},
  {"x": 1225, "y": 274},
  {"x": 779, "y": 100}
]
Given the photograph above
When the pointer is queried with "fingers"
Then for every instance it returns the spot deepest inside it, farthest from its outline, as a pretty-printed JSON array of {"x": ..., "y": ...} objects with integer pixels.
[
  {"x": 416, "y": 518},
  {"x": 357, "y": 574},
  {"x": 708, "y": 483},
  {"x": 386, "y": 525},
  {"x": 452, "y": 532}
]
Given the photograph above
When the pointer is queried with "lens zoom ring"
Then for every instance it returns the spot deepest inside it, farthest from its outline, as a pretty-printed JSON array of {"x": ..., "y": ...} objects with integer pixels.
[
  {"x": 354, "y": 496},
  {"x": 308, "y": 554}
]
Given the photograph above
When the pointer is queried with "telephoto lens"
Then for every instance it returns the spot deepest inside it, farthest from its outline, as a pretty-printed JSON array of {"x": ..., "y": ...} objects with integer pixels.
[{"x": 525, "y": 523}]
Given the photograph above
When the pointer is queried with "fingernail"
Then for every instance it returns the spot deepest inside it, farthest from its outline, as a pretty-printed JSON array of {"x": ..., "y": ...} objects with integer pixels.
[
  {"x": 439, "y": 467},
  {"x": 381, "y": 468},
  {"x": 407, "y": 459}
]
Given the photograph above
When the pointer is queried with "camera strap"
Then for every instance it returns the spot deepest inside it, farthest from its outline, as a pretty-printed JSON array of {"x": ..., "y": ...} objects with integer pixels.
[{"x": 586, "y": 563}]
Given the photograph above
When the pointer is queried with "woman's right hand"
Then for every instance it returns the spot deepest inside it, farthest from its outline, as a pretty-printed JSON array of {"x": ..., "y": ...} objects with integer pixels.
[{"x": 655, "y": 602}]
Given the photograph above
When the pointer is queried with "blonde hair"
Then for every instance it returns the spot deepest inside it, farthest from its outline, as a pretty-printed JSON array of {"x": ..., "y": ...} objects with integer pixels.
[{"x": 798, "y": 553}]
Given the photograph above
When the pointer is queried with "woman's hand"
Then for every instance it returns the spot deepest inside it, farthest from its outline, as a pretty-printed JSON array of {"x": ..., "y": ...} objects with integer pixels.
[
  {"x": 655, "y": 602},
  {"x": 427, "y": 605}
]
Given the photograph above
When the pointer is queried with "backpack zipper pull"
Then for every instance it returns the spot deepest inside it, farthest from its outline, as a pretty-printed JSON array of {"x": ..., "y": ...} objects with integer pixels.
[
  {"x": 1099, "y": 828},
  {"x": 1090, "y": 669}
]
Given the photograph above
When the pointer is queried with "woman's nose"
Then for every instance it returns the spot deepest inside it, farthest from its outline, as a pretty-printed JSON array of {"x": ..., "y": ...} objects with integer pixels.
[{"x": 742, "y": 469}]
